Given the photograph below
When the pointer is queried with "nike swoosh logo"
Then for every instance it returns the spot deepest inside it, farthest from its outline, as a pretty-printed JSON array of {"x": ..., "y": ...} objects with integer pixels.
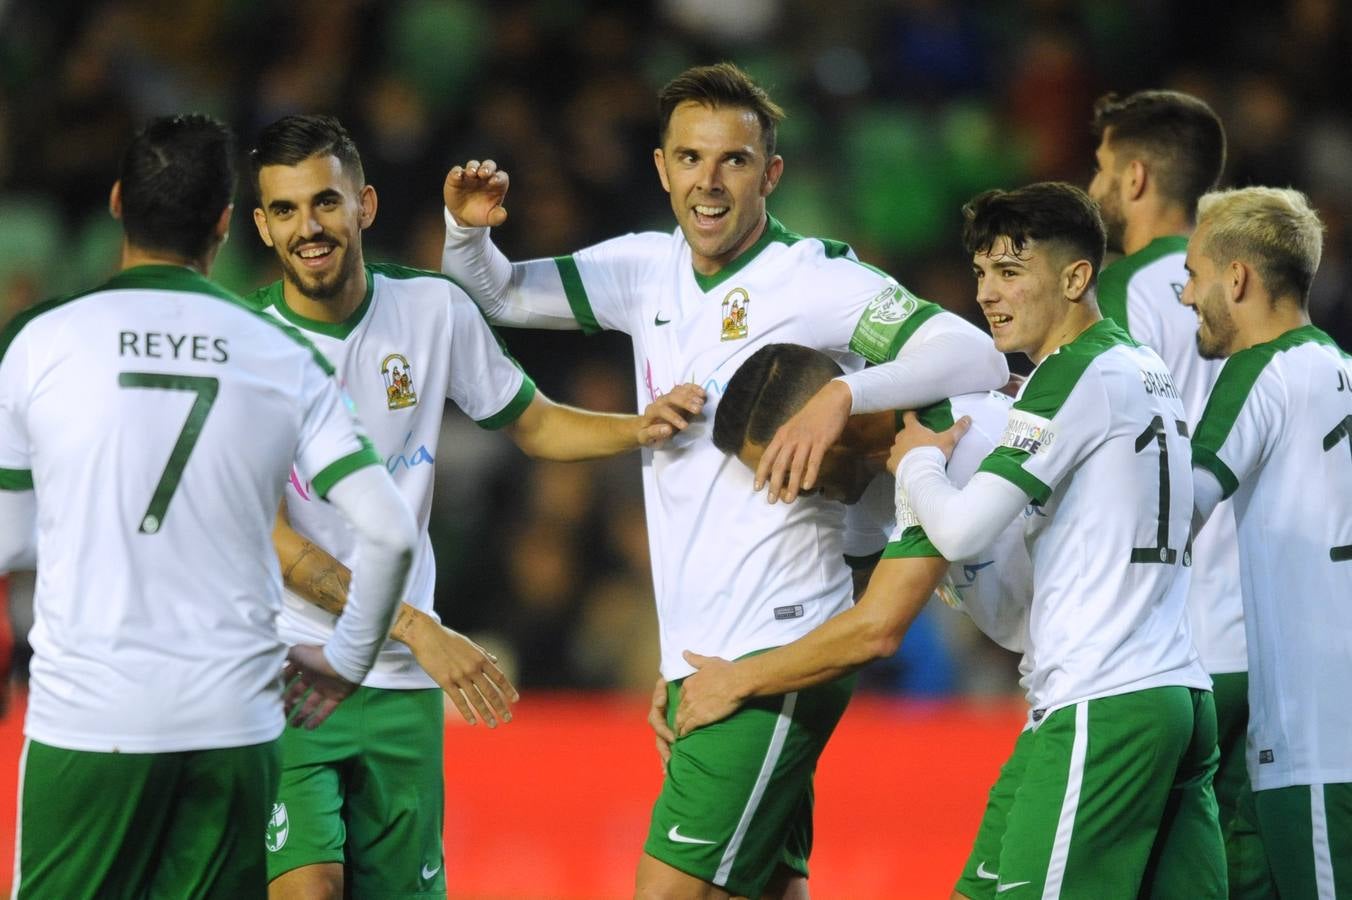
[
  {"x": 981, "y": 872},
  {"x": 1001, "y": 888},
  {"x": 969, "y": 571},
  {"x": 430, "y": 872},
  {"x": 659, "y": 321},
  {"x": 676, "y": 836}
]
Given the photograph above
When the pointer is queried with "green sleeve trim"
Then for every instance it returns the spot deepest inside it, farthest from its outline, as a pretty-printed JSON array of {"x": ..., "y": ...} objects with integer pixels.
[
  {"x": 16, "y": 479},
  {"x": 863, "y": 562},
  {"x": 1008, "y": 464},
  {"x": 337, "y": 471},
  {"x": 513, "y": 410},
  {"x": 1204, "y": 458},
  {"x": 577, "y": 295},
  {"x": 913, "y": 543}
]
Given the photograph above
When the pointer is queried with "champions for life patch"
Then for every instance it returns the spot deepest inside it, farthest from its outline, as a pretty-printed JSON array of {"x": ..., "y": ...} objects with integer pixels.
[{"x": 1027, "y": 432}]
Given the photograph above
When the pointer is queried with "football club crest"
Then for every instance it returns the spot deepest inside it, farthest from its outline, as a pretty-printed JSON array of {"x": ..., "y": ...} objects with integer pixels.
[
  {"x": 278, "y": 828},
  {"x": 398, "y": 374},
  {"x": 735, "y": 306}
]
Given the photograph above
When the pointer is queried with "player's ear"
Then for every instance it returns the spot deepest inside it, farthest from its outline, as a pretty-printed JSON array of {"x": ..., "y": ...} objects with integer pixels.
[
  {"x": 1237, "y": 277},
  {"x": 774, "y": 170},
  {"x": 1134, "y": 179},
  {"x": 222, "y": 227},
  {"x": 261, "y": 223},
  {"x": 115, "y": 200},
  {"x": 1075, "y": 279},
  {"x": 660, "y": 160},
  {"x": 367, "y": 199}
]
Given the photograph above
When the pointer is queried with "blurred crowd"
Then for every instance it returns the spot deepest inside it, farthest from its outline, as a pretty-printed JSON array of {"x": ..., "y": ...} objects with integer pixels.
[{"x": 899, "y": 111}]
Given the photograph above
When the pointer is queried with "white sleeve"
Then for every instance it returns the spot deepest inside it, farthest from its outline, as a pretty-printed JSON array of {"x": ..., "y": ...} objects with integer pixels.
[
  {"x": 386, "y": 535},
  {"x": 486, "y": 383},
  {"x": 18, "y": 530},
  {"x": 960, "y": 523},
  {"x": 524, "y": 295},
  {"x": 1206, "y": 493},
  {"x": 946, "y": 356}
]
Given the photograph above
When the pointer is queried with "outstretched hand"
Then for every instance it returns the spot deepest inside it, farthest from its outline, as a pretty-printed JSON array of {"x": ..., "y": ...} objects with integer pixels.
[
  {"x": 474, "y": 193},
  {"x": 312, "y": 689},
  {"x": 794, "y": 455},
  {"x": 913, "y": 435},
  {"x": 707, "y": 696},
  {"x": 465, "y": 671},
  {"x": 669, "y": 414}
]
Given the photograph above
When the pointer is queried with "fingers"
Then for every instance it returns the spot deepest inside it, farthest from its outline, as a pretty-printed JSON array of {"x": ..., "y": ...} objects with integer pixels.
[
  {"x": 663, "y": 753},
  {"x": 694, "y": 659},
  {"x": 909, "y": 419},
  {"x": 959, "y": 428},
  {"x": 461, "y": 704}
]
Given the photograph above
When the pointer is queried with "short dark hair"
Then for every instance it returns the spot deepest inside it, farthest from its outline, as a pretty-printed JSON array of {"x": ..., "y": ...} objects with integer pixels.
[
  {"x": 1178, "y": 133},
  {"x": 773, "y": 384},
  {"x": 719, "y": 85},
  {"x": 178, "y": 176},
  {"x": 1048, "y": 212},
  {"x": 291, "y": 140}
]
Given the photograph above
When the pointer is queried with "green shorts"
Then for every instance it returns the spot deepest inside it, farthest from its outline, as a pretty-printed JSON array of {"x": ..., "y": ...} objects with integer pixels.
[
  {"x": 1107, "y": 798},
  {"x": 365, "y": 789},
  {"x": 1307, "y": 832},
  {"x": 1245, "y": 861},
  {"x": 737, "y": 799},
  {"x": 144, "y": 825}
]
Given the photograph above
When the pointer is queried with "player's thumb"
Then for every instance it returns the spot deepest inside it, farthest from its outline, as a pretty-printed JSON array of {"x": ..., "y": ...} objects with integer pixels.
[
  {"x": 694, "y": 659},
  {"x": 960, "y": 428}
]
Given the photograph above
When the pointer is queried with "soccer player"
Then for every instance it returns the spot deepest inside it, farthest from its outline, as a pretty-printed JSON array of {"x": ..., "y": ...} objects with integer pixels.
[
  {"x": 732, "y": 574},
  {"x": 1276, "y": 437},
  {"x": 360, "y": 805},
  {"x": 1114, "y": 793},
  {"x": 148, "y": 427},
  {"x": 1158, "y": 152}
]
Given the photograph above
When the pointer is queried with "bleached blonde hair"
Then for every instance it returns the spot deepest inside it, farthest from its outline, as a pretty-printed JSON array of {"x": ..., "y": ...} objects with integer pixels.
[{"x": 1275, "y": 230}]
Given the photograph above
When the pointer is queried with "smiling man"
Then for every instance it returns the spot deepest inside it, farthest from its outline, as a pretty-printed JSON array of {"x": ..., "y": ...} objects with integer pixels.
[
  {"x": 731, "y": 572},
  {"x": 360, "y": 807},
  {"x": 1111, "y": 795}
]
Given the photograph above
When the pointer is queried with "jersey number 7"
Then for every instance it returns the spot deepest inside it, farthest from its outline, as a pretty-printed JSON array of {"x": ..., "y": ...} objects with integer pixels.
[{"x": 205, "y": 389}]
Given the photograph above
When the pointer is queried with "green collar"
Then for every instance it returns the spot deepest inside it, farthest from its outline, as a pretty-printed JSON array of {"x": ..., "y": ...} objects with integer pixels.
[{"x": 274, "y": 296}]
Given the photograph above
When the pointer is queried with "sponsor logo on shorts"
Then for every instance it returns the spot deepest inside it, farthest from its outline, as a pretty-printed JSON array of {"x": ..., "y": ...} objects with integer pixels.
[
  {"x": 1028, "y": 432},
  {"x": 430, "y": 872},
  {"x": 789, "y": 612},
  {"x": 1265, "y": 756},
  {"x": 675, "y": 836},
  {"x": 278, "y": 828}
]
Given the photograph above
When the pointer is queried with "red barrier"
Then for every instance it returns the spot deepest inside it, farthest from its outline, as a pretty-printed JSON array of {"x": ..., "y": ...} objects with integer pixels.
[{"x": 556, "y": 804}]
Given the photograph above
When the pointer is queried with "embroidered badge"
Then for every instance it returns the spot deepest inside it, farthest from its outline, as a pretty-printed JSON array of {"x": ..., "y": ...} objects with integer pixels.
[
  {"x": 398, "y": 374},
  {"x": 735, "y": 306}
]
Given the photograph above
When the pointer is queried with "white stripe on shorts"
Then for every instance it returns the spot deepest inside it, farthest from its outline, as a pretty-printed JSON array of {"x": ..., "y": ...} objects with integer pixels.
[
  {"x": 777, "y": 738},
  {"x": 18, "y": 821},
  {"x": 1056, "y": 866},
  {"x": 1323, "y": 855}
]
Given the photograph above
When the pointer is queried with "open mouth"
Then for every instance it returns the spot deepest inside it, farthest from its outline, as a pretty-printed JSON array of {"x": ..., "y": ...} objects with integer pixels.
[
  {"x": 999, "y": 320},
  {"x": 315, "y": 255},
  {"x": 708, "y": 215}
]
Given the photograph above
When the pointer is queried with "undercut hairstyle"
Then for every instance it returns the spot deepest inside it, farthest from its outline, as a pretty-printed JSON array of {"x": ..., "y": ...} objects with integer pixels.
[
  {"x": 774, "y": 383},
  {"x": 717, "y": 86},
  {"x": 1275, "y": 230},
  {"x": 291, "y": 140},
  {"x": 1178, "y": 135},
  {"x": 178, "y": 176},
  {"x": 1049, "y": 212}
]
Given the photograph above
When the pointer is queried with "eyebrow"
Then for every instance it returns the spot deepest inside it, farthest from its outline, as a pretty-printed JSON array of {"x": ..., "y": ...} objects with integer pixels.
[{"x": 282, "y": 203}]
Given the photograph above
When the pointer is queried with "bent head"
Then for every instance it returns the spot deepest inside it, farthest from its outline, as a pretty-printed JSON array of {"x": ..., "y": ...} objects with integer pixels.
[
  {"x": 717, "y": 160},
  {"x": 175, "y": 187},
  {"x": 1036, "y": 252},
  {"x": 313, "y": 202},
  {"x": 774, "y": 383}
]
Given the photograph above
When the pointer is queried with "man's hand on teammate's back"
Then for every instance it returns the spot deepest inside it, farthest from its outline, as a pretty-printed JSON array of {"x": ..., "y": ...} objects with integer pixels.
[
  {"x": 913, "y": 435},
  {"x": 707, "y": 696},
  {"x": 313, "y": 689},
  {"x": 465, "y": 671},
  {"x": 474, "y": 193},
  {"x": 794, "y": 456},
  {"x": 657, "y": 718},
  {"x": 669, "y": 414}
]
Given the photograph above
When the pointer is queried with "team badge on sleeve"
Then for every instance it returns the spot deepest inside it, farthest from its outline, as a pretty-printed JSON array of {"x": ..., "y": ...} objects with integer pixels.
[
  {"x": 398, "y": 374},
  {"x": 735, "y": 307},
  {"x": 881, "y": 322}
]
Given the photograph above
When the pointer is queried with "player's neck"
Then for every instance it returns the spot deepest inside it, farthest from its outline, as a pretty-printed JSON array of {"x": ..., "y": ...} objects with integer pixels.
[
  {"x": 1079, "y": 318},
  {"x": 1162, "y": 221},
  {"x": 1271, "y": 323},
  {"x": 338, "y": 308},
  {"x": 133, "y": 256}
]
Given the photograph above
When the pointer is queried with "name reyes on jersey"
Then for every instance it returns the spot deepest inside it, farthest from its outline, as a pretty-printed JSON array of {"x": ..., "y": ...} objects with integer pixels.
[{"x": 166, "y": 345}]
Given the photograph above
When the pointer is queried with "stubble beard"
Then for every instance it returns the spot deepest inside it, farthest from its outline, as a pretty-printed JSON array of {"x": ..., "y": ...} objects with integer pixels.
[{"x": 319, "y": 290}]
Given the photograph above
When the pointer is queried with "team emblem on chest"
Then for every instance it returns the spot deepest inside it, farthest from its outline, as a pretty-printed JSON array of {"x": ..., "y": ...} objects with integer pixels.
[
  {"x": 735, "y": 306},
  {"x": 398, "y": 374}
]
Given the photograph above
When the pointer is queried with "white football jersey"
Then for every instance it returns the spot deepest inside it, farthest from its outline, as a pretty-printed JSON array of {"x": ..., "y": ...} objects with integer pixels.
[
  {"x": 732, "y": 573},
  {"x": 415, "y": 341},
  {"x": 1097, "y": 440},
  {"x": 157, "y": 417},
  {"x": 1277, "y": 435},
  {"x": 995, "y": 586},
  {"x": 1141, "y": 292}
]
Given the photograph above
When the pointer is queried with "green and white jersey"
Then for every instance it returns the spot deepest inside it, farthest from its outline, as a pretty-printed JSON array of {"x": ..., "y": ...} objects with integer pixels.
[
  {"x": 732, "y": 573},
  {"x": 157, "y": 418},
  {"x": 415, "y": 341},
  {"x": 1277, "y": 435},
  {"x": 1097, "y": 439},
  {"x": 994, "y": 587},
  {"x": 1141, "y": 292}
]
